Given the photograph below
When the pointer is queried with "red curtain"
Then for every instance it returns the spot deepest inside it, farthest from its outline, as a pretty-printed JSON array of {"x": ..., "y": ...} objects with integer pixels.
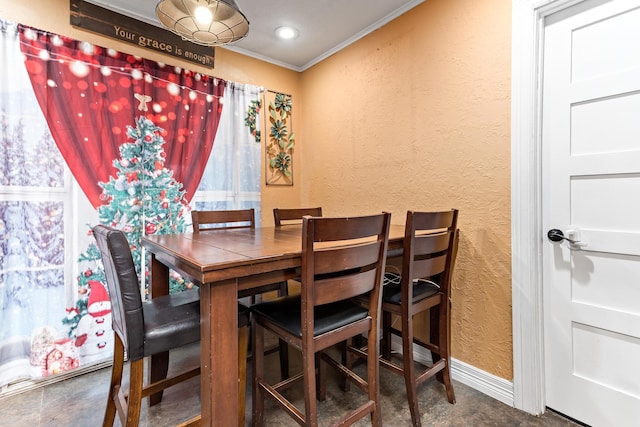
[{"x": 89, "y": 95}]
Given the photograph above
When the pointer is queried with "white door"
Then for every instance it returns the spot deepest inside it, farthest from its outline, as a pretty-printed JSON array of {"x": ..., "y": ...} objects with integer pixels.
[{"x": 591, "y": 192}]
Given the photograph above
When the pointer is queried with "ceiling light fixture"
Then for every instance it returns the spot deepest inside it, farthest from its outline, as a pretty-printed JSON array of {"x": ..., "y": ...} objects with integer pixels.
[
  {"x": 204, "y": 22},
  {"x": 287, "y": 33}
]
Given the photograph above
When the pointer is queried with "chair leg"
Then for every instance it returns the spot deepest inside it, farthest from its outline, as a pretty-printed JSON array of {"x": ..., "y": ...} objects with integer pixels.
[
  {"x": 409, "y": 370},
  {"x": 347, "y": 360},
  {"x": 116, "y": 380},
  {"x": 445, "y": 350},
  {"x": 284, "y": 289},
  {"x": 321, "y": 378},
  {"x": 434, "y": 338},
  {"x": 257, "y": 363},
  {"x": 446, "y": 375},
  {"x": 386, "y": 335},
  {"x": 309, "y": 375},
  {"x": 134, "y": 401},
  {"x": 242, "y": 371},
  {"x": 283, "y": 346},
  {"x": 283, "y": 353},
  {"x": 159, "y": 367},
  {"x": 373, "y": 374}
]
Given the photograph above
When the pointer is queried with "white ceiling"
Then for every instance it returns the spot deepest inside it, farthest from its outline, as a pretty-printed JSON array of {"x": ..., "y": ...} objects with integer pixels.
[{"x": 325, "y": 26}]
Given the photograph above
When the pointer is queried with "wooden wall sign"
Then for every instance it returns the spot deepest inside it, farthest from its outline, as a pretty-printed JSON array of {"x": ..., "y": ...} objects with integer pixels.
[{"x": 111, "y": 24}]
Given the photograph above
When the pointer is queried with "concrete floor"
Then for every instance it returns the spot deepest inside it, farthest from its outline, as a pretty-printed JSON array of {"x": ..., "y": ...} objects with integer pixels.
[{"x": 80, "y": 402}]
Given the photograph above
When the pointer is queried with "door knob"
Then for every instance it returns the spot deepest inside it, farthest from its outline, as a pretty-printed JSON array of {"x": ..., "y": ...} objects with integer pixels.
[{"x": 556, "y": 235}]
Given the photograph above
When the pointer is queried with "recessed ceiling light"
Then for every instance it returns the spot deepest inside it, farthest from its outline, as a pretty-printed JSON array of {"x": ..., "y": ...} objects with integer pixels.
[{"x": 287, "y": 33}]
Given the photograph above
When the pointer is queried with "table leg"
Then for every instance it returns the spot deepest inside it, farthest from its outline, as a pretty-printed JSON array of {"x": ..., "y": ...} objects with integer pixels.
[
  {"x": 159, "y": 363},
  {"x": 219, "y": 353}
]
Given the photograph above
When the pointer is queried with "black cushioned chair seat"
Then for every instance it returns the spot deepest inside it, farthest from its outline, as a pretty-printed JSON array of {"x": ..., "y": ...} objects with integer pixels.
[
  {"x": 286, "y": 312},
  {"x": 174, "y": 320},
  {"x": 392, "y": 292},
  {"x": 169, "y": 322},
  {"x": 173, "y": 300}
]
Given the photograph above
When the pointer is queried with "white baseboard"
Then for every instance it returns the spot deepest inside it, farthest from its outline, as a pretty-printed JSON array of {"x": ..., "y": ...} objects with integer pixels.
[{"x": 491, "y": 385}]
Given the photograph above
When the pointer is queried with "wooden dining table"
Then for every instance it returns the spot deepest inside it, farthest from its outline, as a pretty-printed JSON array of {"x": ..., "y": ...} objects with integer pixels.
[{"x": 222, "y": 263}]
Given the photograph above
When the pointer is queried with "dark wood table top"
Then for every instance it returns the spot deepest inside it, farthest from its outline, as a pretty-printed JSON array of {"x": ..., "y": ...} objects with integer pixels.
[{"x": 216, "y": 255}]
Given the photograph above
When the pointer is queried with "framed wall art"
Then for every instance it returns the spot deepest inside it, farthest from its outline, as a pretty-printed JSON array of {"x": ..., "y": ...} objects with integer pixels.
[{"x": 279, "y": 138}]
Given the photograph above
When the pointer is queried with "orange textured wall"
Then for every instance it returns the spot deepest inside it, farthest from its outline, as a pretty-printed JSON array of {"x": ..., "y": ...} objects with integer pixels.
[
  {"x": 53, "y": 16},
  {"x": 417, "y": 116}
]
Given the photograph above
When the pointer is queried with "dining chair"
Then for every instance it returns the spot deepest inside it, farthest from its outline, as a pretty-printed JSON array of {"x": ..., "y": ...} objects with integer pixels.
[
  {"x": 204, "y": 221},
  {"x": 291, "y": 216},
  {"x": 146, "y": 328},
  {"x": 283, "y": 216},
  {"x": 424, "y": 285},
  {"x": 341, "y": 258},
  {"x": 211, "y": 220}
]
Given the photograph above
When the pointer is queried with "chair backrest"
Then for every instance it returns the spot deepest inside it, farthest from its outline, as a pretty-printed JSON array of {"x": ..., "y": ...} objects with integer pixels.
[
  {"x": 293, "y": 216},
  {"x": 342, "y": 258},
  {"x": 124, "y": 288},
  {"x": 430, "y": 247},
  {"x": 209, "y": 220}
]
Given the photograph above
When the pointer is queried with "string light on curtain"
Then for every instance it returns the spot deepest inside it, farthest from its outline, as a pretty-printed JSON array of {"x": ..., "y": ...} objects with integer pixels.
[{"x": 204, "y": 22}]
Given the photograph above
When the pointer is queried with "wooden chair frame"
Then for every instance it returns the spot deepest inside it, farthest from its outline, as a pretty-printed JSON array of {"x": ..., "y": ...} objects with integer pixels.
[
  {"x": 330, "y": 275},
  {"x": 283, "y": 216},
  {"x": 205, "y": 220},
  {"x": 429, "y": 252}
]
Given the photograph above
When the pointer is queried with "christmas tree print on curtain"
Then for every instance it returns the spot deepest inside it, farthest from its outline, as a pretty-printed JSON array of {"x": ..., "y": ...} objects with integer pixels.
[
  {"x": 88, "y": 96},
  {"x": 143, "y": 199}
]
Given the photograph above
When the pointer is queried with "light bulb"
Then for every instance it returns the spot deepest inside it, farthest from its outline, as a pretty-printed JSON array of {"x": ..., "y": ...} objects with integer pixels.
[{"x": 203, "y": 15}]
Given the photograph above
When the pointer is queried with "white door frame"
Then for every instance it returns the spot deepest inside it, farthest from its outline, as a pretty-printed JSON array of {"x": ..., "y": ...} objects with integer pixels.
[{"x": 526, "y": 200}]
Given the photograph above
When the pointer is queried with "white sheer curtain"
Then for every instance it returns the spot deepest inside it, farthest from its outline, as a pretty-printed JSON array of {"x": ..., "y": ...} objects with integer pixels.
[
  {"x": 36, "y": 219},
  {"x": 232, "y": 177}
]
